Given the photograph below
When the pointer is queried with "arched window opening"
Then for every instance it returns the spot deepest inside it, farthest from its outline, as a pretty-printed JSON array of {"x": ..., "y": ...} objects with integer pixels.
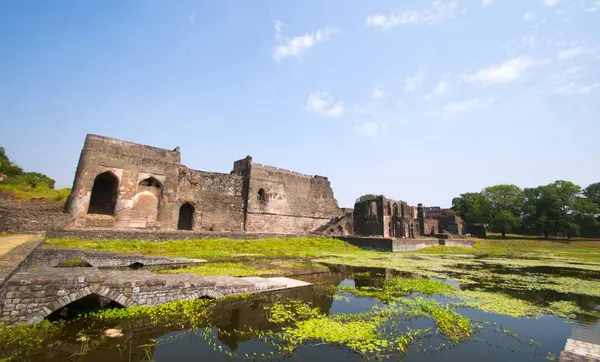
[
  {"x": 402, "y": 210},
  {"x": 186, "y": 217},
  {"x": 261, "y": 195},
  {"x": 146, "y": 202},
  {"x": 389, "y": 208},
  {"x": 395, "y": 209},
  {"x": 340, "y": 229},
  {"x": 88, "y": 304},
  {"x": 150, "y": 181},
  {"x": 373, "y": 208},
  {"x": 104, "y": 194}
]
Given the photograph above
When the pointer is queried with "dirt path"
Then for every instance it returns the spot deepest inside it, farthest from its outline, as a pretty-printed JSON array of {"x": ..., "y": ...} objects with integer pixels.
[{"x": 7, "y": 243}]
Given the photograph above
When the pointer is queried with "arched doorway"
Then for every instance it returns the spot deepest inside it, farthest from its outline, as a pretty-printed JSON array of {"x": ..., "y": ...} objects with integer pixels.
[
  {"x": 186, "y": 217},
  {"x": 104, "y": 194},
  {"x": 146, "y": 202}
]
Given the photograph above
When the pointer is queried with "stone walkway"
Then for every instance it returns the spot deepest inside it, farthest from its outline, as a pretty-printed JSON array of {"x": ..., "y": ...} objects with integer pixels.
[
  {"x": 7, "y": 243},
  {"x": 576, "y": 351}
]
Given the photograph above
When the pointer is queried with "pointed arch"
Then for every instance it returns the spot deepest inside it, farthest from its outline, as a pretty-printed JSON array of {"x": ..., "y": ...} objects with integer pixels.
[
  {"x": 104, "y": 194},
  {"x": 146, "y": 202},
  {"x": 395, "y": 209},
  {"x": 261, "y": 194},
  {"x": 186, "y": 217}
]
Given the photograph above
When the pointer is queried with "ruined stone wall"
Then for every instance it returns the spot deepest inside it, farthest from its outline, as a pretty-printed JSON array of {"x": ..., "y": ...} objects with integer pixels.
[
  {"x": 367, "y": 218},
  {"x": 282, "y": 201},
  {"x": 431, "y": 227},
  {"x": 129, "y": 164},
  {"x": 217, "y": 199},
  {"x": 385, "y": 217}
]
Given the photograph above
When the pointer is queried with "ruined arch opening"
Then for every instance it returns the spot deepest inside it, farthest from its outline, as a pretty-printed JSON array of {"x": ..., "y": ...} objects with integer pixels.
[
  {"x": 74, "y": 263},
  {"x": 186, "y": 217},
  {"x": 87, "y": 304},
  {"x": 340, "y": 229},
  {"x": 395, "y": 209},
  {"x": 146, "y": 202},
  {"x": 135, "y": 266},
  {"x": 261, "y": 194},
  {"x": 104, "y": 194}
]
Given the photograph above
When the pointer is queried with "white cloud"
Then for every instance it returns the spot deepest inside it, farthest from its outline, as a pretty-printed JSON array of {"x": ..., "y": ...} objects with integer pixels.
[
  {"x": 370, "y": 129},
  {"x": 294, "y": 46},
  {"x": 573, "y": 52},
  {"x": 486, "y": 3},
  {"x": 527, "y": 16},
  {"x": 377, "y": 93},
  {"x": 413, "y": 82},
  {"x": 507, "y": 72},
  {"x": 440, "y": 89},
  {"x": 574, "y": 88},
  {"x": 551, "y": 2},
  {"x": 325, "y": 105},
  {"x": 438, "y": 12}
]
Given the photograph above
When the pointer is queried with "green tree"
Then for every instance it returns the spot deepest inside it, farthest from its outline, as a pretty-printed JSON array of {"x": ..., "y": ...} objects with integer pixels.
[
  {"x": 592, "y": 192},
  {"x": 505, "y": 203},
  {"x": 472, "y": 207},
  {"x": 551, "y": 208},
  {"x": 366, "y": 197}
]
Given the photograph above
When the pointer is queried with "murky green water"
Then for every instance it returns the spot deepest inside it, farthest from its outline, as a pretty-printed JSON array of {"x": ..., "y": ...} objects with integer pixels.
[{"x": 234, "y": 326}]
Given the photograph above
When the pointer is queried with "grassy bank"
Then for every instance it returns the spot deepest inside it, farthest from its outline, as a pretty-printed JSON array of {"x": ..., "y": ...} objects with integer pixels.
[
  {"x": 22, "y": 192},
  {"x": 313, "y": 247}
]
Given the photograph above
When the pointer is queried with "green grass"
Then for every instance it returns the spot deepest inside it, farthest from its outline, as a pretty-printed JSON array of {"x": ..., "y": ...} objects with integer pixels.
[
  {"x": 223, "y": 268},
  {"x": 301, "y": 247},
  {"x": 26, "y": 192}
]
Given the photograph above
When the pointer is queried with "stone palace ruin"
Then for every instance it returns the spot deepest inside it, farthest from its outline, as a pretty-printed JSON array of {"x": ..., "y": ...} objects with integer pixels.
[{"x": 124, "y": 185}]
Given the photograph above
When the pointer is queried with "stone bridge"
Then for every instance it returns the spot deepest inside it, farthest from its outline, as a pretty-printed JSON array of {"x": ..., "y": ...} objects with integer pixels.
[
  {"x": 33, "y": 294},
  {"x": 54, "y": 256}
]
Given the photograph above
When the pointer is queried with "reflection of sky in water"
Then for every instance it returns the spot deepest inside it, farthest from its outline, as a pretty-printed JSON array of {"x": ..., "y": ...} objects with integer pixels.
[{"x": 488, "y": 344}]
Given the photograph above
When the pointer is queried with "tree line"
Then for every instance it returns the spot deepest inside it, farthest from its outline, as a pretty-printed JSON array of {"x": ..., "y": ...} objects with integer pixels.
[{"x": 561, "y": 208}]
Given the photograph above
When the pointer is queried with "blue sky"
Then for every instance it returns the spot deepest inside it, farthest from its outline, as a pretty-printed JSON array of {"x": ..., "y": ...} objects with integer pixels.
[{"x": 417, "y": 100}]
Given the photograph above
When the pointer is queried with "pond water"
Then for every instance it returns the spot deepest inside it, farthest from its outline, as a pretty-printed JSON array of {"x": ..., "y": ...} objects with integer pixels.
[{"x": 236, "y": 327}]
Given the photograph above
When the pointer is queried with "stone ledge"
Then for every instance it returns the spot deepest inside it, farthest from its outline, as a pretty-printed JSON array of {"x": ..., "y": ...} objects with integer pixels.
[{"x": 12, "y": 261}]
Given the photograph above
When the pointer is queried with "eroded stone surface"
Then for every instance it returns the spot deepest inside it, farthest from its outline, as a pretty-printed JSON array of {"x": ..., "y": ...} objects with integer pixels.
[{"x": 589, "y": 351}]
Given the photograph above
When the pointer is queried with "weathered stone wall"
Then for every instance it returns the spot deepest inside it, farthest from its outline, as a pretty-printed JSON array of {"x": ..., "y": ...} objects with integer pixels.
[
  {"x": 31, "y": 216},
  {"x": 400, "y": 245},
  {"x": 217, "y": 199},
  {"x": 31, "y": 295},
  {"x": 129, "y": 164},
  {"x": 431, "y": 227},
  {"x": 282, "y": 201},
  {"x": 385, "y": 217}
]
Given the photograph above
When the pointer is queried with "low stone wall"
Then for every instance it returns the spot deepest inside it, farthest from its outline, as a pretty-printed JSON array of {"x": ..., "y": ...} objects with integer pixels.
[
  {"x": 30, "y": 216},
  {"x": 400, "y": 245},
  {"x": 111, "y": 234},
  {"x": 53, "y": 256},
  {"x": 31, "y": 295}
]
